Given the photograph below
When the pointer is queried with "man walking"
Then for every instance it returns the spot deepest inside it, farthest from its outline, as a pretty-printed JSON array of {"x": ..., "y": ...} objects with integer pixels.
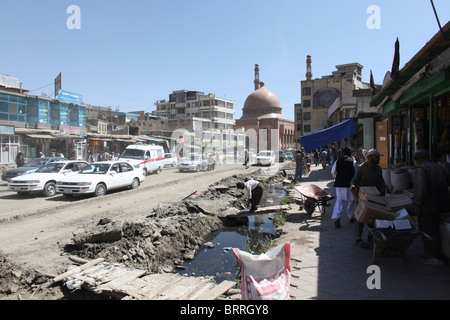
[
  {"x": 431, "y": 198},
  {"x": 343, "y": 171},
  {"x": 369, "y": 174},
  {"x": 298, "y": 165}
]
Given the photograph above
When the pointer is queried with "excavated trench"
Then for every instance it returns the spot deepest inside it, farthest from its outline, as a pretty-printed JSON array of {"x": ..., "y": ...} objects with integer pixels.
[
  {"x": 192, "y": 237},
  {"x": 215, "y": 257}
]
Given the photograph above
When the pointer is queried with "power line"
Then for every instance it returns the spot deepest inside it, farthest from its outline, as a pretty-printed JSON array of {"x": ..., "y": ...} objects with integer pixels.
[{"x": 42, "y": 87}]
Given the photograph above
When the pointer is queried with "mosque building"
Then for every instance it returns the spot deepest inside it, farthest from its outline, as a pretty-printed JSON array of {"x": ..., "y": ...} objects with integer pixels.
[{"x": 263, "y": 122}]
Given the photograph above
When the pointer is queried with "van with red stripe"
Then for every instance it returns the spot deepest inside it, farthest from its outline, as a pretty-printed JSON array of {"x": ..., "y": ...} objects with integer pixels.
[{"x": 149, "y": 158}]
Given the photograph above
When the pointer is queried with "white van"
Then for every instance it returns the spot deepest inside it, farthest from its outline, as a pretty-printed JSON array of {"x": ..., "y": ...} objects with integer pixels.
[{"x": 150, "y": 158}]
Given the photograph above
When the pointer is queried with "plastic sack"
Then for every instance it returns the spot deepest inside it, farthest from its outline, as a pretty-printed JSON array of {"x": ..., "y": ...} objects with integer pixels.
[{"x": 266, "y": 276}]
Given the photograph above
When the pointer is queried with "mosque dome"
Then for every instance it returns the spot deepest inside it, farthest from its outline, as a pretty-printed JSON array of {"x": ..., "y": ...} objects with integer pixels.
[{"x": 262, "y": 103}]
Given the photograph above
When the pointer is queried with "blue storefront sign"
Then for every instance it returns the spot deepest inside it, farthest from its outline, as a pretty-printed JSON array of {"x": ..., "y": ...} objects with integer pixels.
[{"x": 69, "y": 97}]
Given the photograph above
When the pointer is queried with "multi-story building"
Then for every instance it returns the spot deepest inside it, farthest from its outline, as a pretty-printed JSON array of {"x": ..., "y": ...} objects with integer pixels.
[
  {"x": 217, "y": 113},
  {"x": 208, "y": 118},
  {"x": 32, "y": 124},
  {"x": 335, "y": 98}
]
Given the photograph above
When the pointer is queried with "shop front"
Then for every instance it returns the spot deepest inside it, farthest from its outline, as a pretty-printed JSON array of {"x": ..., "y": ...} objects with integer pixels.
[
  {"x": 421, "y": 121},
  {"x": 9, "y": 144},
  {"x": 416, "y": 105}
]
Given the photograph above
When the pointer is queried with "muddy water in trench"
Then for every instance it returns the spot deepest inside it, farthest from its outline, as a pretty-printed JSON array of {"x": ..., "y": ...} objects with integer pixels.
[{"x": 216, "y": 258}]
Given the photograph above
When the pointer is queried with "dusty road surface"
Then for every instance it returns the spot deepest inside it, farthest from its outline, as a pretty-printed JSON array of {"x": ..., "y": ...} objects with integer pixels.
[{"x": 34, "y": 229}]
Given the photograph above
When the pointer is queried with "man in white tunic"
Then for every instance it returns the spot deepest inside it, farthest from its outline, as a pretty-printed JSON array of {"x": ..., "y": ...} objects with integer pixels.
[{"x": 343, "y": 171}]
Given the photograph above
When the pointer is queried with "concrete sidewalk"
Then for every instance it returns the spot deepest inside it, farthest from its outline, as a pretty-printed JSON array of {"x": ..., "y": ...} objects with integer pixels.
[{"x": 327, "y": 265}]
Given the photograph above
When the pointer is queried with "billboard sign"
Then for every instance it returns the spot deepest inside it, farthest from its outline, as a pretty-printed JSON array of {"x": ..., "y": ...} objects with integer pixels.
[
  {"x": 58, "y": 84},
  {"x": 69, "y": 97}
]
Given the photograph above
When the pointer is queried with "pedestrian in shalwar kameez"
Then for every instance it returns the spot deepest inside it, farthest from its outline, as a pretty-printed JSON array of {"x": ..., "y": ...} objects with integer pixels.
[
  {"x": 343, "y": 171},
  {"x": 369, "y": 174}
]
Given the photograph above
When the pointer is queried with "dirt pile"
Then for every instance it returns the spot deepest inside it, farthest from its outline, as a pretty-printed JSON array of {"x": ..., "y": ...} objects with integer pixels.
[
  {"x": 170, "y": 234},
  {"x": 14, "y": 279}
]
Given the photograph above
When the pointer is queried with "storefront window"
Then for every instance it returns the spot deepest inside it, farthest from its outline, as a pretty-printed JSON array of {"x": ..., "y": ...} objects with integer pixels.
[
  {"x": 9, "y": 147},
  {"x": 4, "y": 108},
  {"x": 43, "y": 111},
  {"x": 399, "y": 150},
  {"x": 54, "y": 116},
  {"x": 443, "y": 130},
  {"x": 32, "y": 110}
]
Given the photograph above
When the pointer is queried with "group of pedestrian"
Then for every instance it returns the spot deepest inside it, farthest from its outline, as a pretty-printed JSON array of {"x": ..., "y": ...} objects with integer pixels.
[{"x": 430, "y": 201}]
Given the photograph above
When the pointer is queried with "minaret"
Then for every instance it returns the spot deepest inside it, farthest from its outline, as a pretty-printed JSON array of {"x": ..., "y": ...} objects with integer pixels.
[
  {"x": 308, "y": 68},
  {"x": 257, "y": 82}
]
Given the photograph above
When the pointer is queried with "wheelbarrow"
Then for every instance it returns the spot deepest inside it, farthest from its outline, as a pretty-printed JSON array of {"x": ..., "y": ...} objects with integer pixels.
[
  {"x": 313, "y": 197},
  {"x": 391, "y": 242}
]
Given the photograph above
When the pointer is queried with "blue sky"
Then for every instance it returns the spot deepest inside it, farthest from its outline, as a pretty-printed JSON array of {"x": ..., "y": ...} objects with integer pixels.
[{"x": 129, "y": 54}]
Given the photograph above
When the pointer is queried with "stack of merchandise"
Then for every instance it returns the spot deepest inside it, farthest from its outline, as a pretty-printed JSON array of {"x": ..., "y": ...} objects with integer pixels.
[{"x": 383, "y": 211}]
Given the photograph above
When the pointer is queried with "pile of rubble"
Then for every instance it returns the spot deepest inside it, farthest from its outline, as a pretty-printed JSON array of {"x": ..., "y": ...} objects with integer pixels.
[{"x": 169, "y": 234}]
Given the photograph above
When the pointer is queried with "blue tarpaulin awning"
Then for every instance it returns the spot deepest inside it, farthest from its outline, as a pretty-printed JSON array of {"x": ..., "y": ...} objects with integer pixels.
[{"x": 322, "y": 138}]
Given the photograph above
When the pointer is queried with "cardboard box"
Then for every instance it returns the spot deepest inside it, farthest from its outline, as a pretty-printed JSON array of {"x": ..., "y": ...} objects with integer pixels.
[
  {"x": 398, "y": 201},
  {"x": 374, "y": 198},
  {"x": 367, "y": 212},
  {"x": 363, "y": 191}
]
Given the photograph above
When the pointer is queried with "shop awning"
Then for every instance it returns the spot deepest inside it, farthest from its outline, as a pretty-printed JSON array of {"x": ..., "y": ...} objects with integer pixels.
[
  {"x": 40, "y": 136},
  {"x": 433, "y": 48},
  {"x": 330, "y": 135}
]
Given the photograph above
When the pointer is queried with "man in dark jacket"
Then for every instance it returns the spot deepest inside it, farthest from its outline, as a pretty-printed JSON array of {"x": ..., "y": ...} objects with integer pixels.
[
  {"x": 343, "y": 171},
  {"x": 431, "y": 199},
  {"x": 369, "y": 174},
  {"x": 20, "y": 159}
]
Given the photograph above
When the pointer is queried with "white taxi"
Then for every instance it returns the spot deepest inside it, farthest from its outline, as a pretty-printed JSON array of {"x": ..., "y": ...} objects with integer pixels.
[
  {"x": 100, "y": 177},
  {"x": 44, "y": 179}
]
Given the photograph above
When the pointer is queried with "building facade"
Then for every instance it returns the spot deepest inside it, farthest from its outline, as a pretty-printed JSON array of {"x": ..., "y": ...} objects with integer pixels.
[
  {"x": 207, "y": 119},
  {"x": 217, "y": 113},
  {"x": 335, "y": 98},
  {"x": 33, "y": 124}
]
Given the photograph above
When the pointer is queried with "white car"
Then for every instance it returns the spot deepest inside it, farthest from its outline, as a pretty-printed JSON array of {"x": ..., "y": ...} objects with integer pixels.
[
  {"x": 193, "y": 162},
  {"x": 170, "y": 160},
  {"x": 44, "y": 179},
  {"x": 100, "y": 177},
  {"x": 266, "y": 157}
]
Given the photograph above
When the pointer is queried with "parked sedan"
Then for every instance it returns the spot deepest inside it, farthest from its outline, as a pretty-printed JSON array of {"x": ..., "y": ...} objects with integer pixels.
[
  {"x": 193, "y": 162},
  {"x": 100, "y": 177},
  {"x": 44, "y": 179},
  {"x": 170, "y": 160},
  {"x": 266, "y": 157},
  {"x": 29, "y": 167}
]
